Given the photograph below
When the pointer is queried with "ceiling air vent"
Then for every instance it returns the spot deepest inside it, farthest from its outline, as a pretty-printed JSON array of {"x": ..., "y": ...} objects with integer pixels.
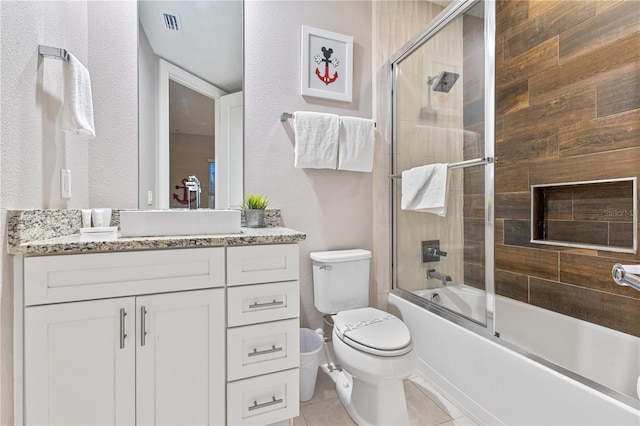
[{"x": 172, "y": 22}]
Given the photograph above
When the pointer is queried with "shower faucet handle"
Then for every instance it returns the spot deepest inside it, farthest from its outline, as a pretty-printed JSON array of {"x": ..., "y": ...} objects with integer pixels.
[
  {"x": 436, "y": 252},
  {"x": 431, "y": 251}
]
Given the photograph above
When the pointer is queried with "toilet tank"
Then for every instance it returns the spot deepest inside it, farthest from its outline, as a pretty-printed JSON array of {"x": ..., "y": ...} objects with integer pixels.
[{"x": 340, "y": 280}]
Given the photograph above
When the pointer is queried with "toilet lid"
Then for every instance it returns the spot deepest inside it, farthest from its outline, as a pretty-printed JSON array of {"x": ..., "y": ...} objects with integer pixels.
[{"x": 373, "y": 331}]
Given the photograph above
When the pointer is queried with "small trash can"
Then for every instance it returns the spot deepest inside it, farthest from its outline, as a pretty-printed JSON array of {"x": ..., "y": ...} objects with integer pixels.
[{"x": 310, "y": 358}]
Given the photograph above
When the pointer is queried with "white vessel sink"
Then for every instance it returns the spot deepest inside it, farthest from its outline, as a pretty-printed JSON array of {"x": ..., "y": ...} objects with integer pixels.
[{"x": 150, "y": 223}]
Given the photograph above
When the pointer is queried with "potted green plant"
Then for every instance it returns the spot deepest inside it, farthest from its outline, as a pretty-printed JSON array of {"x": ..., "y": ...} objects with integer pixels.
[{"x": 254, "y": 206}]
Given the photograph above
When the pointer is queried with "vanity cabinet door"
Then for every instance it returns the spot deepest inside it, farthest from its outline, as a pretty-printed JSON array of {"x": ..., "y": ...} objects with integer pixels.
[
  {"x": 181, "y": 358},
  {"x": 79, "y": 363}
]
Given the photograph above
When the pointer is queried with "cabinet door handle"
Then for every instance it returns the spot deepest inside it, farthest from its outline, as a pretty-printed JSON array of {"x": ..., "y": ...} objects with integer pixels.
[
  {"x": 263, "y": 305},
  {"x": 143, "y": 326},
  {"x": 266, "y": 351},
  {"x": 257, "y": 406},
  {"x": 123, "y": 335}
]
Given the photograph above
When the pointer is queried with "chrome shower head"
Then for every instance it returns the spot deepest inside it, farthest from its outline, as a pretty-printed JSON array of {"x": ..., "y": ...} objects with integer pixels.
[{"x": 446, "y": 80}]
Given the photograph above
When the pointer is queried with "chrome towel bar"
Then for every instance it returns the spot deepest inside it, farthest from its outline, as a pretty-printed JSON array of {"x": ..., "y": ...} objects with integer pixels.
[
  {"x": 460, "y": 165},
  {"x": 287, "y": 115},
  {"x": 55, "y": 52},
  {"x": 625, "y": 275}
]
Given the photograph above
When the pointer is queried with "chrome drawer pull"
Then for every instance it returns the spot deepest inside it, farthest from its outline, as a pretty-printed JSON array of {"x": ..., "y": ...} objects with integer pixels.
[
  {"x": 123, "y": 334},
  {"x": 143, "y": 326},
  {"x": 262, "y": 305},
  {"x": 266, "y": 351},
  {"x": 257, "y": 406}
]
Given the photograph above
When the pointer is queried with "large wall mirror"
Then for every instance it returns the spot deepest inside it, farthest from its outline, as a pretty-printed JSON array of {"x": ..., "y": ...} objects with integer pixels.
[{"x": 190, "y": 75}]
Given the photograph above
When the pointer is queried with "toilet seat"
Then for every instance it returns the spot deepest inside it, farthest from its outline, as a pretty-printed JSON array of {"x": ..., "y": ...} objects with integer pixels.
[{"x": 373, "y": 331}]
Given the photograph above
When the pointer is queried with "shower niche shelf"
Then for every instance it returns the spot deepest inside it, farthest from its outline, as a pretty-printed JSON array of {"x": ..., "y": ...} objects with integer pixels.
[{"x": 599, "y": 214}]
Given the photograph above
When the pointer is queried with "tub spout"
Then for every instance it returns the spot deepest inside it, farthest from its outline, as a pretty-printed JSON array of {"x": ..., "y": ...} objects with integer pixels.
[{"x": 432, "y": 273}]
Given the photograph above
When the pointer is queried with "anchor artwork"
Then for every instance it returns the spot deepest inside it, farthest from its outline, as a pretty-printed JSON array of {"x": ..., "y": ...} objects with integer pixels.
[
  {"x": 327, "y": 64},
  {"x": 326, "y": 58},
  {"x": 177, "y": 201}
]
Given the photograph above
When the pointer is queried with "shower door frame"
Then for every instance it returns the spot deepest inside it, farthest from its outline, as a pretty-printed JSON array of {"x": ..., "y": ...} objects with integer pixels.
[{"x": 455, "y": 9}]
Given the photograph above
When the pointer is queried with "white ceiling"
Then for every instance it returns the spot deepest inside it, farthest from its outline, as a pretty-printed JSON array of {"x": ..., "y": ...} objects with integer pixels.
[
  {"x": 209, "y": 43},
  {"x": 189, "y": 111}
]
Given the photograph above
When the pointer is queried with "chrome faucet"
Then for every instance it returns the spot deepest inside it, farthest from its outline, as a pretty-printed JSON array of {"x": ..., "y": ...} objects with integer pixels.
[
  {"x": 432, "y": 273},
  {"x": 193, "y": 185}
]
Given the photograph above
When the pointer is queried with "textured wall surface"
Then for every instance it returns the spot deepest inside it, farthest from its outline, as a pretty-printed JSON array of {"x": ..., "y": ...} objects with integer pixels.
[
  {"x": 334, "y": 208},
  {"x": 568, "y": 109},
  {"x": 113, "y": 53},
  {"x": 147, "y": 69}
]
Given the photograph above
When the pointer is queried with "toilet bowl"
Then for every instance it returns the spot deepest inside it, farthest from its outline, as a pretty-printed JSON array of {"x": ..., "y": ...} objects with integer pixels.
[
  {"x": 376, "y": 353},
  {"x": 373, "y": 347}
]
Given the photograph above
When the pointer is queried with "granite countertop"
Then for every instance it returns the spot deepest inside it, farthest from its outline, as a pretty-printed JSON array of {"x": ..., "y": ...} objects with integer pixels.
[{"x": 45, "y": 232}]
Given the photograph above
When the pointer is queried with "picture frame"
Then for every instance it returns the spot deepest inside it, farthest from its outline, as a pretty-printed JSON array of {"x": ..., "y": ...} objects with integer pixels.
[{"x": 327, "y": 64}]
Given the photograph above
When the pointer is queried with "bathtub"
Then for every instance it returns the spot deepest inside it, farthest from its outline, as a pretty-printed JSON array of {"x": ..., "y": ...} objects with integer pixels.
[
  {"x": 501, "y": 381},
  {"x": 467, "y": 301}
]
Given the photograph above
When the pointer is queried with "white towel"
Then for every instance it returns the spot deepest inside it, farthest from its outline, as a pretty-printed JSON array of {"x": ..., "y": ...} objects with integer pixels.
[
  {"x": 424, "y": 189},
  {"x": 355, "y": 147},
  {"x": 316, "y": 140},
  {"x": 78, "y": 103}
]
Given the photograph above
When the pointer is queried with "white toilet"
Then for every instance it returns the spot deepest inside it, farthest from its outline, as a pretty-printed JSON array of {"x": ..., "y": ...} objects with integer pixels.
[{"x": 373, "y": 347}]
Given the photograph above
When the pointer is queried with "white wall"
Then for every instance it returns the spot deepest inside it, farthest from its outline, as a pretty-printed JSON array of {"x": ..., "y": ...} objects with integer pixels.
[
  {"x": 147, "y": 88},
  {"x": 113, "y": 57},
  {"x": 102, "y": 35},
  {"x": 334, "y": 208}
]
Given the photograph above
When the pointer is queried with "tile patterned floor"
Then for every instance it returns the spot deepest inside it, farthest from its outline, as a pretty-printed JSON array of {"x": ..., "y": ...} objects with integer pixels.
[{"x": 426, "y": 405}]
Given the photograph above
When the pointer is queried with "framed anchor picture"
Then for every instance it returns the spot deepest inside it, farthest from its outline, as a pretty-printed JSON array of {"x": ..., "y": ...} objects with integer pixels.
[{"x": 327, "y": 64}]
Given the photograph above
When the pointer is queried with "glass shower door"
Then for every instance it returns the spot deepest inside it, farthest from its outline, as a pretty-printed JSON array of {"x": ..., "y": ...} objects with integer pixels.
[{"x": 439, "y": 118}]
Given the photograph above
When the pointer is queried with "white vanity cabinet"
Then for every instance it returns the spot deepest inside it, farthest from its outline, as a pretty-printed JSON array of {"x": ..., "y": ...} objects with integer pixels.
[
  {"x": 263, "y": 336},
  {"x": 136, "y": 360},
  {"x": 182, "y": 336},
  {"x": 100, "y": 358},
  {"x": 75, "y": 370},
  {"x": 180, "y": 358}
]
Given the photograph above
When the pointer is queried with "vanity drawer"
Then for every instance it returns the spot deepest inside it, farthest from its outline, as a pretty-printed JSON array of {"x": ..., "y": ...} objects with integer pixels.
[
  {"x": 53, "y": 279},
  {"x": 262, "y": 264},
  {"x": 264, "y": 399},
  {"x": 262, "y": 348},
  {"x": 251, "y": 304}
]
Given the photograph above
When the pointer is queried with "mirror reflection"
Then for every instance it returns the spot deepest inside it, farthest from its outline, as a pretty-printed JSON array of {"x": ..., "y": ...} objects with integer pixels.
[{"x": 190, "y": 102}]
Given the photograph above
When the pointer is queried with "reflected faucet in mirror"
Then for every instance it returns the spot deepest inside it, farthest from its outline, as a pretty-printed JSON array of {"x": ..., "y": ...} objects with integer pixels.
[{"x": 193, "y": 185}]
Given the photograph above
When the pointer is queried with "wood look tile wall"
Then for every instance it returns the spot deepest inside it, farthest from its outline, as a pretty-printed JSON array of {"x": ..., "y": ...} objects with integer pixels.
[
  {"x": 596, "y": 213},
  {"x": 568, "y": 110}
]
